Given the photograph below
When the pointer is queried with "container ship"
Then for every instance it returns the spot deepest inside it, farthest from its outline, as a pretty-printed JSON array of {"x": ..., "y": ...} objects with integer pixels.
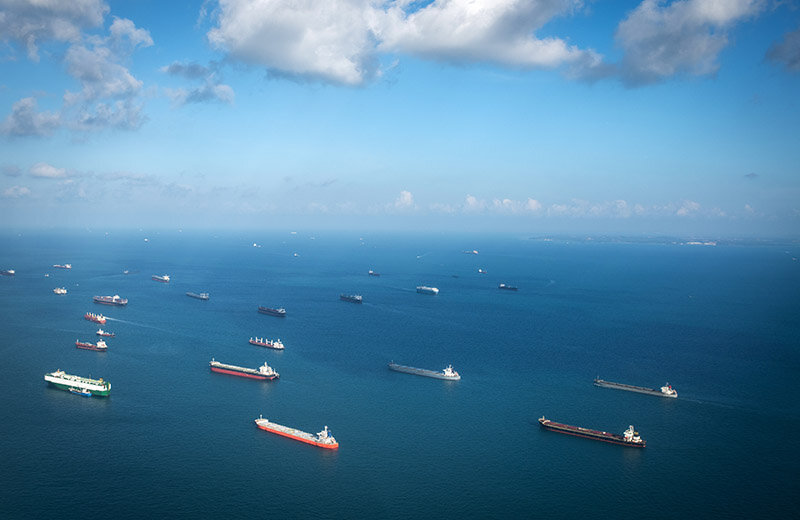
[
  {"x": 506, "y": 287},
  {"x": 8, "y": 272},
  {"x": 269, "y": 343},
  {"x": 199, "y": 296},
  {"x": 97, "y": 318},
  {"x": 448, "y": 373},
  {"x": 665, "y": 391},
  {"x": 424, "y": 289},
  {"x": 281, "y": 313},
  {"x": 111, "y": 300},
  {"x": 60, "y": 290},
  {"x": 263, "y": 372},
  {"x": 62, "y": 266},
  {"x": 164, "y": 278},
  {"x": 628, "y": 438},
  {"x": 105, "y": 334},
  {"x": 100, "y": 346},
  {"x": 323, "y": 439},
  {"x": 64, "y": 381},
  {"x": 354, "y": 298}
]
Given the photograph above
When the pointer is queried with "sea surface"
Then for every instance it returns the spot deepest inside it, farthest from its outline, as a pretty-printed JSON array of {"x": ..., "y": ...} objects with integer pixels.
[{"x": 174, "y": 440}]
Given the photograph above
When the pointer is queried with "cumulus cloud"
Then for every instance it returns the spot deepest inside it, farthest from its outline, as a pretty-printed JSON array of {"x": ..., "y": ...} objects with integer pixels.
[
  {"x": 687, "y": 208},
  {"x": 404, "y": 201},
  {"x": 212, "y": 89},
  {"x": 47, "y": 171},
  {"x": 16, "y": 192},
  {"x": 661, "y": 40},
  {"x": 341, "y": 41},
  {"x": 787, "y": 51},
  {"x": 25, "y": 119},
  {"x": 28, "y": 23}
]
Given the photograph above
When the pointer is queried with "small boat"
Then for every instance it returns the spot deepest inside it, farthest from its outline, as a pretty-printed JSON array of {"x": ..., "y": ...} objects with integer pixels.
[
  {"x": 199, "y": 296},
  {"x": 100, "y": 346},
  {"x": 101, "y": 332},
  {"x": 281, "y": 313},
  {"x": 8, "y": 272},
  {"x": 269, "y": 343},
  {"x": 163, "y": 278},
  {"x": 83, "y": 392},
  {"x": 482, "y": 271},
  {"x": 60, "y": 290}
]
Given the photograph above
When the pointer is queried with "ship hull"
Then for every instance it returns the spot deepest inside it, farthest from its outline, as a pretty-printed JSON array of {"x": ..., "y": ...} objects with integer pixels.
[
  {"x": 586, "y": 433},
  {"x": 231, "y": 372},
  {"x": 422, "y": 372},
  {"x": 288, "y": 435},
  {"x": 98, "y": 393},
  {"x": 631, "y": 388}
]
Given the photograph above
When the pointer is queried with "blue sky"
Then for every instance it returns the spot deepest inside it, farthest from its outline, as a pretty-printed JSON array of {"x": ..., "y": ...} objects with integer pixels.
[{"x": 534, "y": 116}]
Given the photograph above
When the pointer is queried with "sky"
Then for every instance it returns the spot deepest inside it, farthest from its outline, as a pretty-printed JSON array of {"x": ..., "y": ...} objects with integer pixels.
[{"x": 639, "y": 116}]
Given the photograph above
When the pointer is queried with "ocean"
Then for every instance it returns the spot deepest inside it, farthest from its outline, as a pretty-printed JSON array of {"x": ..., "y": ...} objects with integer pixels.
[{"x": 720, "y": 323}]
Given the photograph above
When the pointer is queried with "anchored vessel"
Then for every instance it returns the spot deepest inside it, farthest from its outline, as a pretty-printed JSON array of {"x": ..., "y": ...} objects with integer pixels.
[
  {"x": 64, "y": 381},
  {"x": 355, "y": 298},
  {"x": 101, "y": 332},
  {"x": 111, "y": 300},
  {"x": 628, "y": 438},
  {"x": 281, "y": 313},
  {"x": 97, "y": 318},
  {"x": 62, "y": 266},
  {"x": 506, "y": 287},
  {"x": 8, "y": 272},
  {"x": 60, "y": 290},
  {"x": 373, "y": 273},
  {"x": 269, "y": 343},
  {"x": 665, "y": 391},
  {"x": 323, "y": 439},
  {"x": 424, "y": 289},
  {"x": 447, "y": 373},
  {"x": 164, "y": 278},
  {"x": 263, "y": 372},
  {"x": 100, "y": 346},
  {"x": 200, "y": 296}
]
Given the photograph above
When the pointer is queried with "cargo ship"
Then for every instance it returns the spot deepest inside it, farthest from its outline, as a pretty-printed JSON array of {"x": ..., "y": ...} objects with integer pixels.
[
  {"x": 281, "y": 313},
  {"x": 62, "y": 266},
  {"x": 60, "y": 290},
  {"x": 323, "y": 439},
  {"x": 111, "y": 300},
  {"x": 424, "y": 289},
  {"x": 164, "y": 278},
  {"x": 97, "y": 318},
  {"x": 100, "y": 346},
  {"x": 8, "y": 272},
  {"x": 269, "y": 343},
  {"x": 628, "y": 438},
  {"x": 506, "y": 287},
  {"x": 354, "y": 298},
  {"x": 64, "y": 381},
  {"x": 199, "y": 296},
  {"x": 665, "y": 391},
  {"x": 263, "y": 372},
  {"x": 101, "y": 332},
  {"x": 448, "y": 373},
  {"x": 373, "y": 273}
]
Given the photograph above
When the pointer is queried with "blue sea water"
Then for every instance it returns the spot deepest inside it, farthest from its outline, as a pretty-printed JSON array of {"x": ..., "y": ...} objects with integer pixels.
[{"x": 722, "y": 324}]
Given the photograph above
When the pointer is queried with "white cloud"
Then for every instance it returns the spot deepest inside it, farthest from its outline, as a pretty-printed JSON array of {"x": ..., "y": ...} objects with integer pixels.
[
  {"x": 533, "y": 205},
  {"x": 212, "y": 89},
  {"x": 341, "y": 41},
  {"x": 688, "y": 207},
  {"x": 29, "y": 22},
  {"x": 47, "y": 171},
  {"x": 26, "y": 120},
  {"x": 16, "y": 192},
  {"x": 404, "y": 201},
  {"x": 473, "y": 205},
  {"x": 661, "y": 39}
]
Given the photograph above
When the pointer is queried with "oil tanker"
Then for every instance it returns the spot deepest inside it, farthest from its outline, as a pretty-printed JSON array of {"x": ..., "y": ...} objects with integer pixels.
[
  {"x": 448, "y": 373},
  {"x": 628, "y": 438},
  {"x": 100, "y": 346},
  {"x": 269, "y": 343},
  {"x": 64, "y": 381},
  {"x": 665, "y": 391},
  {"x": 263, "y": 372},
  {"x": 111, "y": 300},
  {"x": 323, "y": 439}
]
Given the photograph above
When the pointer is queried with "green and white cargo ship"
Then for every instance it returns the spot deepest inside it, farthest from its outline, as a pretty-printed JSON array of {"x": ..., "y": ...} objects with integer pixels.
[{"x": 64, "y": 381}]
